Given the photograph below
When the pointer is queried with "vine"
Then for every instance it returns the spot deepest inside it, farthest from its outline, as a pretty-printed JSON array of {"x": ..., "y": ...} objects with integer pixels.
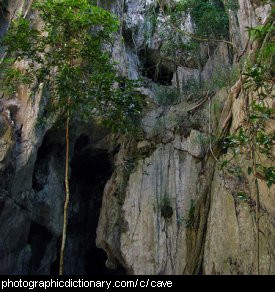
[
  {"x": 254, "y": 136},
  {"x": 254, "y": 133}
]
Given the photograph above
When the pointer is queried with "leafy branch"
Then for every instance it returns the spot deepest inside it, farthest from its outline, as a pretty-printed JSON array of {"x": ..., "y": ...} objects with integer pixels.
[
  {"x": 67, "y": 55},
  {"x": 254, "y": 137}
]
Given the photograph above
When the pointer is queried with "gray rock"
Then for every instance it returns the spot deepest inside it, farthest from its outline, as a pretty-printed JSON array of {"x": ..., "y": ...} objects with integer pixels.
[{"x": 149, "y": 205}]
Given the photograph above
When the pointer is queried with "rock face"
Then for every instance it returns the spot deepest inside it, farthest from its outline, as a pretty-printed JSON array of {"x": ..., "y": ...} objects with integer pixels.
[
  {"x": 231, "y": 222},
  {"x": 157, "y": 203}
]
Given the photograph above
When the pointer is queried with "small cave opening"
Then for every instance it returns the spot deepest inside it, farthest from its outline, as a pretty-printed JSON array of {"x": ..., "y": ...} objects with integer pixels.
[
  {"x": 154, "y": 69},
  {"x": 128, "y": 36},
  {"x": 90, "y": 170}
]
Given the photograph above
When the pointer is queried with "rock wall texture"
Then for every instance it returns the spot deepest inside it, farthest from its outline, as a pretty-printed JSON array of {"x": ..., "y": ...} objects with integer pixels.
[{"x": 157, "y": 203}]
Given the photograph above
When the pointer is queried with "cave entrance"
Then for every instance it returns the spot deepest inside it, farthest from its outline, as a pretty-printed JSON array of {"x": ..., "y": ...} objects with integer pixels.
[
  {"x": 39, "y": 238},
  {"x": 152, "y": 68},
  {"x": 90, "y": 170}
]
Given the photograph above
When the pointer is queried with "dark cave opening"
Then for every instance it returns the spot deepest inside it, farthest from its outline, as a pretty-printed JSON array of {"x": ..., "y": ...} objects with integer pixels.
[
  {"x": 54, "y": 267},
  {"x": 90, "y": 170},
  {"x": 155, "y": 70},
  {"x": 38, "y": 239}
]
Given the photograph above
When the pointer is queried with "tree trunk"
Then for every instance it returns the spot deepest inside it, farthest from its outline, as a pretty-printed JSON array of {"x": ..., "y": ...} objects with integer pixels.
[{"x": 67, "y": 198}]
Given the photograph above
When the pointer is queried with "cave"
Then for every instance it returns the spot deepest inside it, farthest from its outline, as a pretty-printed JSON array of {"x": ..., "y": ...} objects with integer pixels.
[
  {"x": 39, "y": 238},
  {"x": 90, "y": 170},
  {"x": 154, "y": 69}
]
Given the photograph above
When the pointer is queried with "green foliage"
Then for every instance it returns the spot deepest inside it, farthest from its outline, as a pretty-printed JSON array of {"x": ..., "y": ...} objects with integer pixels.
[
  {"x": 67, "y": 54},
  {"x": 232, "y": 5},
  {"x": 167, "y": 95},
  {"x": 165, "y": 207},
  {"x": 11, "y": 77},
  {"x": 269, "y": 174},
  {"x": 22, "y": 39},
  {"x": 257, "y": 75},
  {"x": 236, "y": 140},
  {"x": 194, "y": 89},
  {"x": 210, "y": 21},
  {"x": 203, "y": 140},
  {"x": 254, "y": 138},
  {"x": 262, "y": 70},
  {"x": 225, "y": 76},
  {"x": 222, "y": 77},
  {"x": 191, "y": 215},
  {"x": 210, "y": 16},
  {"x": 242, "y": 196},
  {"x": 189, "y": 220},
  {"x": 174, "y": 44},
  {"x": 151, "y": 18},
  {"x": 259, "y": 31}
]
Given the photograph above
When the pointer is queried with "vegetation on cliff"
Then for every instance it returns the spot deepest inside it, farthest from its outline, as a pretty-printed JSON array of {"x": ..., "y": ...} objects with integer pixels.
[{"x": 66, "y": 54}]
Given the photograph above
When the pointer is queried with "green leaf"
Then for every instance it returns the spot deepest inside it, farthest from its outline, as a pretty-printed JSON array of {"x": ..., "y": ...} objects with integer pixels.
[
  {"x": 242, "y": 196},
  {"x": 68, "y": 55}
]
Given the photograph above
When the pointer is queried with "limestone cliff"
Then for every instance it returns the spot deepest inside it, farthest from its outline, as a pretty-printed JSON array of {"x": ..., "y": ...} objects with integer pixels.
[{"x": 156, "y": 203}]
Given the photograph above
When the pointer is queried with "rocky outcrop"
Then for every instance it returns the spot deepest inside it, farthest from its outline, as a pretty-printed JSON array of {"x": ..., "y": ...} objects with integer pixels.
[
  {"x": 220, "y": 236},
  {"x": 232, "y": 218},
  {"x": 155, "y": 203},
  {"x": 158, "y": 201},
  {"x": 232, "y": 223}
]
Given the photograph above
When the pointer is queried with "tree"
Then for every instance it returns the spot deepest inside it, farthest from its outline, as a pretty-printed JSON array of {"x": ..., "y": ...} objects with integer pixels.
[{"x": 69, "y": 55}]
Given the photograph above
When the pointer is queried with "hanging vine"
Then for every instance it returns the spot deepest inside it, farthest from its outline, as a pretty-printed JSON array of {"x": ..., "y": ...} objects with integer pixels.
[{"x": 255, "y": 136}]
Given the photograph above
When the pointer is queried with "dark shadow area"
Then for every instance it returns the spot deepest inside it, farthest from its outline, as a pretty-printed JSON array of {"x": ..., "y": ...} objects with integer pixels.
[
  {"x": 90, "y": 170},
  {"x": 52, "y": 146},
  {"x": 155, "y": 70},
  {"x": 38, "y": 239},
  {"x": 99, "y": 256},
  {"x": 54, "y": 268},
  {"x": 51, "y": 149},
  {"x": 4, "y": 21}
]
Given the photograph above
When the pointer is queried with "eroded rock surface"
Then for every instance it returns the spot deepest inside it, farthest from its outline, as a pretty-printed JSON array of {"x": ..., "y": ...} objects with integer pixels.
[{"x": 156, "y": 203}]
